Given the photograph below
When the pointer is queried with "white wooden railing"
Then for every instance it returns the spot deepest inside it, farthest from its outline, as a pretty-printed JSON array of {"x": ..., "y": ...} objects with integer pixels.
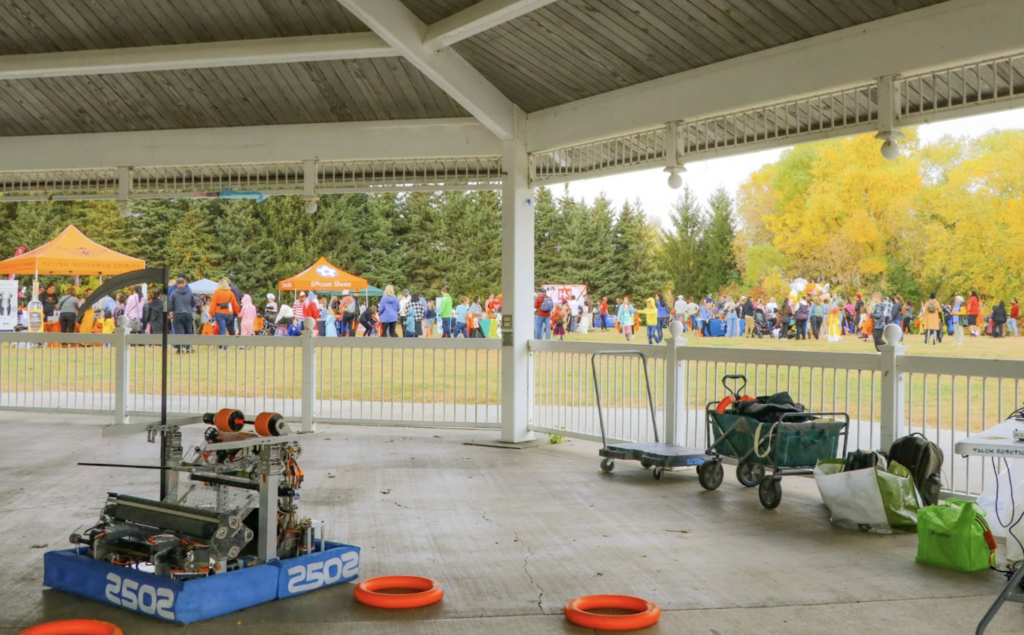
[{"x": 443, "y": 382}]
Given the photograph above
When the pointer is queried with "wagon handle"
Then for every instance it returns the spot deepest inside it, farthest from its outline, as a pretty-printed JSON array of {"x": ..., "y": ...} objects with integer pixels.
[{"x": 735, "y": 392}]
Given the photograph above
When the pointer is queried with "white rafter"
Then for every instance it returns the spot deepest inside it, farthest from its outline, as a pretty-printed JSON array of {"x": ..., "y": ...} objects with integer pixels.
[
  {"x": 463, "y": 137},
  {"x": 285, "y": 50},
  {"x": 477, "y": 19},
  {"x": 399, "y": 27},
  {"x": 940, "y": 35}
]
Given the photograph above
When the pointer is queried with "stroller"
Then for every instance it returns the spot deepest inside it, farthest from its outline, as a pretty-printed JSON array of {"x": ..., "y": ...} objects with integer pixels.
[
  {"x": 268, "y": 323},
  {"x": 770, "y": 437},
  {"x": 761, "y": 326}
]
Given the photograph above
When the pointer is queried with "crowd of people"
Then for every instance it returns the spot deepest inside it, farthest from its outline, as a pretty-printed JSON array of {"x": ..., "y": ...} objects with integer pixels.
[
  {"x": 819, "y": 316},
  {"x": 228, "y": 311}
]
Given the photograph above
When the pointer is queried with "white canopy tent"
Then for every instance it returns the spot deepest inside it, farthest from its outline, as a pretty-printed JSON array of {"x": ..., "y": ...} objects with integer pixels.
[{"x": 186, "y": 97}]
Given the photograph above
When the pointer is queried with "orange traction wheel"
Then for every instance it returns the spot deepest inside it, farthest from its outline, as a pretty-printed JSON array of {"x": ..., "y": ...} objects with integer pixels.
[
  {"x": 268, "y": 424},
  {"x": 229, "y": 420},
  {"x": 73, "y": 627},
  {"x": 407, "y": 592},
  {"x": 643, "y": 613}
]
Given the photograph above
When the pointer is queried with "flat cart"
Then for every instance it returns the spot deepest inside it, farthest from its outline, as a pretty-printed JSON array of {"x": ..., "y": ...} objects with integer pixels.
[
  {"x": 660, "y": 456},
  {"x": 767, "y": 451}
]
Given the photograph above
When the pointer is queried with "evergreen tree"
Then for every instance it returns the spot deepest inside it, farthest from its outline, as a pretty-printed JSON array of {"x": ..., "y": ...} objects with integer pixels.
[
  {"x": 681, "y": 255},
  {"x": 192, "y": 249},
  {"x": 634, "y": 254},
  {"x": 718, "y": 260},
  {"x": 548, "y": 236},
  {"x": 586, "y": 255}
]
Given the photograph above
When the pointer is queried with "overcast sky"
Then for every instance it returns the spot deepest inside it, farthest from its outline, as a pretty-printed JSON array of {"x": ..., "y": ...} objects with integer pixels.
[{"x": 705, "y": 176}]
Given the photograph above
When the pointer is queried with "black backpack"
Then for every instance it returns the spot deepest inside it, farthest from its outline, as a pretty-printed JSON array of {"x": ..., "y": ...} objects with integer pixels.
[
  {"x": 859, "y": 460},
  {"x": 924, "y": 460}
]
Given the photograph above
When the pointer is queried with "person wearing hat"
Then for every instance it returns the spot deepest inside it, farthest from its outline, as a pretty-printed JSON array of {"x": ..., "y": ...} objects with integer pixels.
[
  {"x": 181, "y": 311},
  {"x": 543, "y": 304},
  {"x": 271, "y": 305}
]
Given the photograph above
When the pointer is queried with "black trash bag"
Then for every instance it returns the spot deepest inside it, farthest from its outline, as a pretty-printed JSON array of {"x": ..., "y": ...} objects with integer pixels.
[{"x": 770, "y": 409}]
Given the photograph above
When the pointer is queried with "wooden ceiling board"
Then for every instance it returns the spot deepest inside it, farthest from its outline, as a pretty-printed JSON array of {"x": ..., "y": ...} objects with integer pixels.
[
  {"x": 42, "y": 26},
  {"x": 572, "y": 49}
]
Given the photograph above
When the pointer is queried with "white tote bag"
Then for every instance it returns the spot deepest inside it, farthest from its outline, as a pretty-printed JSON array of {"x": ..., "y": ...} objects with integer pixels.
[
  {"x": 1005, "y": 509},
  {"x": 875, "y": 500}
]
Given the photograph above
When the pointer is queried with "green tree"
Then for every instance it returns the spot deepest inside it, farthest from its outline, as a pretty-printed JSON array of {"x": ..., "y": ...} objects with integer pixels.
[
  {"x": 634, "y": 254},
  {"x": 192, "y": 249},
  {"x": 680, "y": 254},
  {"x": 718, "y": 260}
]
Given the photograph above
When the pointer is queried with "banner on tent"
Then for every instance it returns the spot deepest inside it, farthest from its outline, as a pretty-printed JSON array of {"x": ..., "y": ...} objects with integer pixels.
[{"x": 560, "y": 293}]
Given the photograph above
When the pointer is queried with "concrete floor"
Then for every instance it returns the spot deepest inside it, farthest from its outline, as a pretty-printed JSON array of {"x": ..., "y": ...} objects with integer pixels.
[{"x": 512, "y": 534}]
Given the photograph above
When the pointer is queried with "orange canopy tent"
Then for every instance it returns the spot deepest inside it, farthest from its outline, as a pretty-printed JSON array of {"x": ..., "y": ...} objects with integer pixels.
[
  {"x": 71, "y": 254},
  {"x": 323, "y": 277}
]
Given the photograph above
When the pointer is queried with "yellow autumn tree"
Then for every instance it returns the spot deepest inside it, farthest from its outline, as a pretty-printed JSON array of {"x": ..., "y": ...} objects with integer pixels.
[
  {"x": 973, "y": 215},
  {"x": 835, "y": 211}
]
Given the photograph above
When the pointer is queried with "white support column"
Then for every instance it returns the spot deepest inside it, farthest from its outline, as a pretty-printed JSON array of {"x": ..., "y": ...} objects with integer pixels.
[
  {"x": 516, "y": 286},
  {"x": 675, "y": 385},
  {"x": 121, "y": 375},
  {"x": 893, "y": 393},
  {"x": 308, "y": 375}
]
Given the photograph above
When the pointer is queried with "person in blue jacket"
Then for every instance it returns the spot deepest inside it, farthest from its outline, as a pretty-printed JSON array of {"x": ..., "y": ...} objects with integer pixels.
[
  {"x": 388, "y": 309},
  {"x": 663, "y": 316}
]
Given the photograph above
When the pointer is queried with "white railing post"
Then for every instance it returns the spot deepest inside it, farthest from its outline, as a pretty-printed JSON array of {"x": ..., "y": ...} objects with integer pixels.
[
  {"x": 531, "y": 388},
  {"x": 308, "y": 377},
  {"x": 675, "y": 382},
  {"x": 893, "y": 396},
  {"x": 122, "y": 374}
]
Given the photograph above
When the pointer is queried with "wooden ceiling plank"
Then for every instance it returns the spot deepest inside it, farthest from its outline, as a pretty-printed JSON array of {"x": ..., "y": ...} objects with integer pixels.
[
  {"x": 305, "y": 103},
  {"x": 739, "y": 25},
  {"x": 24, "y": 110},
  {"x": 71, "y": 20},
  {"x": 334, "y": 93},
  {"x": 140, "y": 100},
  {"x": 522, "y": 71},
  {"x": 714, "y": 33},
  {"x": 577, "y": 42},
  {"x": 240, "y": 103},
  {"x": 23, "y": 17},
  {"x": 702, "y": 49},
  {"x": 408, "y": 96},
  {"x": 809, "y": 18},
  {"x": 762, "y": 22},
  {"x": 618, "y": 39}
]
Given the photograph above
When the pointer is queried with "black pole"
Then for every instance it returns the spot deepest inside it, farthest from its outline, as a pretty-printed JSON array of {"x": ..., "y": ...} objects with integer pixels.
[{"x": 163, "y": 353}]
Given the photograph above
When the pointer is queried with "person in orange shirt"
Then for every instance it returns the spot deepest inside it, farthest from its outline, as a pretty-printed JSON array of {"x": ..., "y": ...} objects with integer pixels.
[{"x": 224, "y": 307}]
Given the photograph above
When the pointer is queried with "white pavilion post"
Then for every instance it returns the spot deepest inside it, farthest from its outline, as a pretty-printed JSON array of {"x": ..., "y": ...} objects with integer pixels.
[{"x": 516, "y": 286}]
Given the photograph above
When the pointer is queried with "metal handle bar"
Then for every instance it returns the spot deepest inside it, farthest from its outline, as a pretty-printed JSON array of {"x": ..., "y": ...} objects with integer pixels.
[{"x": 597, "y": 389}]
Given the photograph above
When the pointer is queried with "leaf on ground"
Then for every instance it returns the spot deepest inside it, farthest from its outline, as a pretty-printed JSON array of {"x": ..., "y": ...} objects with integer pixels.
[{"x": 679, "y": 531}]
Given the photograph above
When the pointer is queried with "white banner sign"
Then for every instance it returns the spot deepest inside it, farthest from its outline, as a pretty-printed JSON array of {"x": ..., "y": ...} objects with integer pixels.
[
  {"x": 8, "y": 304},
  {"x": 562, "y": 293}
]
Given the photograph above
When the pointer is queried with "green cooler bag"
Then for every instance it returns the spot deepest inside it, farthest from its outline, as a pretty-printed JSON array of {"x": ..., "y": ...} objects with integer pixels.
[{"x": 955, "y": 535}]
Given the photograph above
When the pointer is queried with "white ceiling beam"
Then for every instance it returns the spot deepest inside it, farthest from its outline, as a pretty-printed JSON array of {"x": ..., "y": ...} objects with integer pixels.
[
  {"x": 476, "y": 19},
  {"x": 285, "y": 50},
  {"x": 940, "y": 35},
  {"x": 251, "y": 144},
  {"x": 400, "y": 28}
]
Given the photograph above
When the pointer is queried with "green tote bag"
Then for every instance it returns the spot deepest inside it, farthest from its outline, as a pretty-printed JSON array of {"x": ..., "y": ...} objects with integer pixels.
[{"x": 955, "y": 536}]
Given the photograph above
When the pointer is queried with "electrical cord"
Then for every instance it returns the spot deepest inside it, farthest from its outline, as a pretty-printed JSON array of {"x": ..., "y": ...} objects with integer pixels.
[{"x": 1009, "y": 571}]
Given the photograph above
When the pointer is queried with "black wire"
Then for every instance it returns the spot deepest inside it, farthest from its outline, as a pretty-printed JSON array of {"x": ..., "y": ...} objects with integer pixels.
[{"x": 1009, "y": 528}]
